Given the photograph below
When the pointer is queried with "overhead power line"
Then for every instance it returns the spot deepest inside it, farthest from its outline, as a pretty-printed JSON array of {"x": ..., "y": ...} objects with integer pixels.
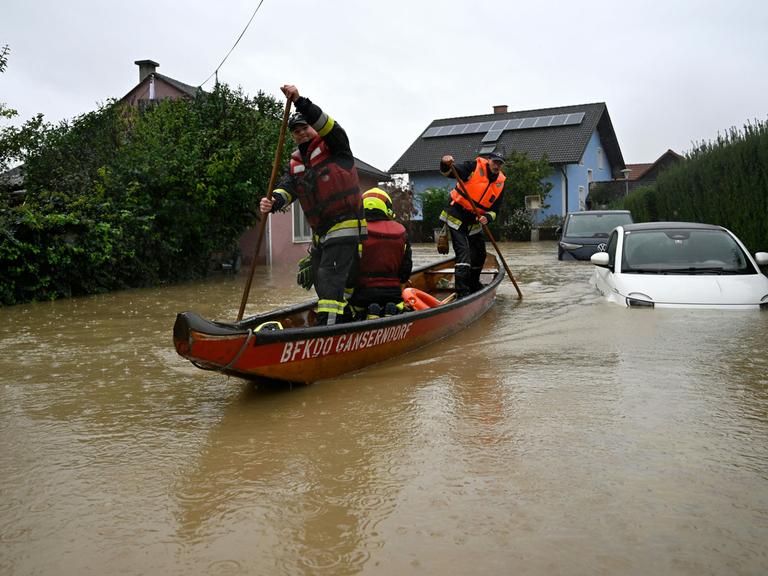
[{"x": 233, "y": 46}]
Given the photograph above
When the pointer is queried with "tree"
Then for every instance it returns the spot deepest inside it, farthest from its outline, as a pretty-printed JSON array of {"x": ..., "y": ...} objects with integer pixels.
[
  {"x": 123, "y": 197},
  {"x": 401, "y": 193},
  {"x": 525, "y": 177},
  {"x": 5, "y": 112}
]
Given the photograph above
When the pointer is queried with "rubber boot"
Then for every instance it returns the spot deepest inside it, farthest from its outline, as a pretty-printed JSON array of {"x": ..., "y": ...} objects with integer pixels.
[{"x": 374, "y": 312}]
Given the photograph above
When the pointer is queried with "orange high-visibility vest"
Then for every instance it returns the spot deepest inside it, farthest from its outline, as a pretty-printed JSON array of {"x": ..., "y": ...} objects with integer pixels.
[{"x": 480, "y": 189}]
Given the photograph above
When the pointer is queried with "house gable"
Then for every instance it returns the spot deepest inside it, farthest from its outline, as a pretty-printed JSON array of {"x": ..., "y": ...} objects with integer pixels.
[
  {"x": 155, "y": 86},
  {"x": 648, "y": 173}
]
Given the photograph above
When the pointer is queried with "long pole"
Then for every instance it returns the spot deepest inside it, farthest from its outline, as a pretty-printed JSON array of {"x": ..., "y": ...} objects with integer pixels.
[
  {"x": 263, "y": 221},
  {"x": 466, "y": 195}
]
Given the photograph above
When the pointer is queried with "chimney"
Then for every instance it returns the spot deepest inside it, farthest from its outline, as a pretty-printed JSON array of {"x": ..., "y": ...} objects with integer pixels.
[
  {"x": 500, "y": 109},
  {"x": 146, "y": 67}
]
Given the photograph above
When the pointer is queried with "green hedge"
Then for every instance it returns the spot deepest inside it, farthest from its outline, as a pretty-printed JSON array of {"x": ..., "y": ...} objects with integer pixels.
[{"x": 722, "y": 182}]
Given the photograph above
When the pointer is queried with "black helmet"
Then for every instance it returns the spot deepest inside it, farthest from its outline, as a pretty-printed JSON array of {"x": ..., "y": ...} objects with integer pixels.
[
  {"x": 295, "y": 120},
  {"x": 496, "y": 156}
]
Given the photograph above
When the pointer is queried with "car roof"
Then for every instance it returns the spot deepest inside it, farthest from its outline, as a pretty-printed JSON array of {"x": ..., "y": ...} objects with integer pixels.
[
  {"x": 597, "y": 212},
  {"x": 669, "y": 225}
]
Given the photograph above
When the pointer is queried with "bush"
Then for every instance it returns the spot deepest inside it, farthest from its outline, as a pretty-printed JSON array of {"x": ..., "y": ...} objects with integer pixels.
[
  {"x": 433, "y": 202},
  {"x": 517, "y": 226},
  {"x": 122, "y": 197}
]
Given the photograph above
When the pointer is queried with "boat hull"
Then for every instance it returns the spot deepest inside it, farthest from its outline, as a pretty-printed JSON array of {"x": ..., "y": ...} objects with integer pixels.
[{"x": 308, "y": 354}]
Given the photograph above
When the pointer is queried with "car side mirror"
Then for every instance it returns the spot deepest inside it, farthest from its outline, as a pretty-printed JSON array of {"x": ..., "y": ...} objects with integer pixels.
[
  {"x": 761, "y": 258},
  {"x": 600, "y": 259}
]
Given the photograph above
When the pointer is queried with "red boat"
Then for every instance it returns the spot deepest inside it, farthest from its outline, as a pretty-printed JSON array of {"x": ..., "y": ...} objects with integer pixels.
[{"x": 284, "y": 345}]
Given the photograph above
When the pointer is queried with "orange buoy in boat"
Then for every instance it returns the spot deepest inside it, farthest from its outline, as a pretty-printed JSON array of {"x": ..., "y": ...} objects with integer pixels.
[{"x": 419, "y": 300}]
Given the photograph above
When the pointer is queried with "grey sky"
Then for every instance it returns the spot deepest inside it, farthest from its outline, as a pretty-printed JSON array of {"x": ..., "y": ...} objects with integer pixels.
[{"x": 671, "y": 72}]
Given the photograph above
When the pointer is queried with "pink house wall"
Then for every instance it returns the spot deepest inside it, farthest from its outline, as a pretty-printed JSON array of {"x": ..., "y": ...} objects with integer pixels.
[{"x": 284, "y": 252}]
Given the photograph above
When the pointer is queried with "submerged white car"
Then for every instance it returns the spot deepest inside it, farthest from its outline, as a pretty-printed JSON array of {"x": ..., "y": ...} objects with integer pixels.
[{"x": 679, "y": 265}]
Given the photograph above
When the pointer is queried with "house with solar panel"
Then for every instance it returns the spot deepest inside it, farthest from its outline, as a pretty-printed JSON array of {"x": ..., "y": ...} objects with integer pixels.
[{"x": 579, "y": 142}]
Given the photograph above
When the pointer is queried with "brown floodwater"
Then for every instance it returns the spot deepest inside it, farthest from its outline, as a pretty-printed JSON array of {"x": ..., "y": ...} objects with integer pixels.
[{"x": 557, "y": 435}]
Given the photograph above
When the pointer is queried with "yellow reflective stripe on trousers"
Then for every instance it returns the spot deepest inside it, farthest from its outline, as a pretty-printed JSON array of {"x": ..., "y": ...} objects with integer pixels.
[{"x": 330, "y": 306}]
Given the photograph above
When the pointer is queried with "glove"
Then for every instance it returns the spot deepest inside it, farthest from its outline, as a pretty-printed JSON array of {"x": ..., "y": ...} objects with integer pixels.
[{"x": 304, "y": 277}]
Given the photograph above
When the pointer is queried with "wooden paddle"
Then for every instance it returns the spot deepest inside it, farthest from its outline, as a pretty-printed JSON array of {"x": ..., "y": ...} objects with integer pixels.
[
  {"x": 264, "y": 217},
  {"x": 465, "y": 194}
]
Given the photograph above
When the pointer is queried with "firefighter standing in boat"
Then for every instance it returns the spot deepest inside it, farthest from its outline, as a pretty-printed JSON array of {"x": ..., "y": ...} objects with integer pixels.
[
  {"x": 322, "y": 176},
  {"x": 386, "y": 262},
  {"x": 484, "y": 182}
]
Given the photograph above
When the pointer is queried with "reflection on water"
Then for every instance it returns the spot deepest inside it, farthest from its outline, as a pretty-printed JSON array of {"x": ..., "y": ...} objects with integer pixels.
[{"x": 560, "y": 434}]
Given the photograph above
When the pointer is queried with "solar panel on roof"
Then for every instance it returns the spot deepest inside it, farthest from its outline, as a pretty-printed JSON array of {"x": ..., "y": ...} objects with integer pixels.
[
  {"x": 558, "y": 120},
  {"x": 493, "y": 129},
  {"x": 574, "y": 118},
  {"x": 492, "y": 136}
]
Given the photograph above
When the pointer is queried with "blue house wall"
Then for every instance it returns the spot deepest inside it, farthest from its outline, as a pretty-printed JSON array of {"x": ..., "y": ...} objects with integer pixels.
[
  {"x": 576, "y": 175},
  {"x": 576, "y": 179}
]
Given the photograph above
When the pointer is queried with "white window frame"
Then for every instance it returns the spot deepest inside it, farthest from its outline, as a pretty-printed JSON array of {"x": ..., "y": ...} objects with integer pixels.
[
  {"x": 300, "y": 229},
  {"x": 600, "y": 163},
  {"x": 582, "y": 198}
]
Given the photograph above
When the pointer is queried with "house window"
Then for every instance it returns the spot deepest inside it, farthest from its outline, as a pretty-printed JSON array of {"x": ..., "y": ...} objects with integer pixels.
[
  {"x": 301, "y": 230},
  {"x": 599, "y": 158},
  {"x": 589, "y": 175},
  {"x": 582, "y": 198}
]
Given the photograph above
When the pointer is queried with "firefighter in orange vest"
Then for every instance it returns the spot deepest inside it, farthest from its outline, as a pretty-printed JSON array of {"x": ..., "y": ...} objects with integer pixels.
[
  {"x": 386, "y": 262},
  {"x": 465, "y": 217},
  {"x": 321, "y": 175}
]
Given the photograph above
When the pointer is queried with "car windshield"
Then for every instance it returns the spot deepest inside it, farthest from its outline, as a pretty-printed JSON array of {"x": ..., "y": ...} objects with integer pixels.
[
  {"x": 586, "y": 225},
  {"x": 683, "y": 251}
]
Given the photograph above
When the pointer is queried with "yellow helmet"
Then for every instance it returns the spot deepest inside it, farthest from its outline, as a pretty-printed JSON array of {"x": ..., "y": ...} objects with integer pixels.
[{"x": 377, "y": 199}]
